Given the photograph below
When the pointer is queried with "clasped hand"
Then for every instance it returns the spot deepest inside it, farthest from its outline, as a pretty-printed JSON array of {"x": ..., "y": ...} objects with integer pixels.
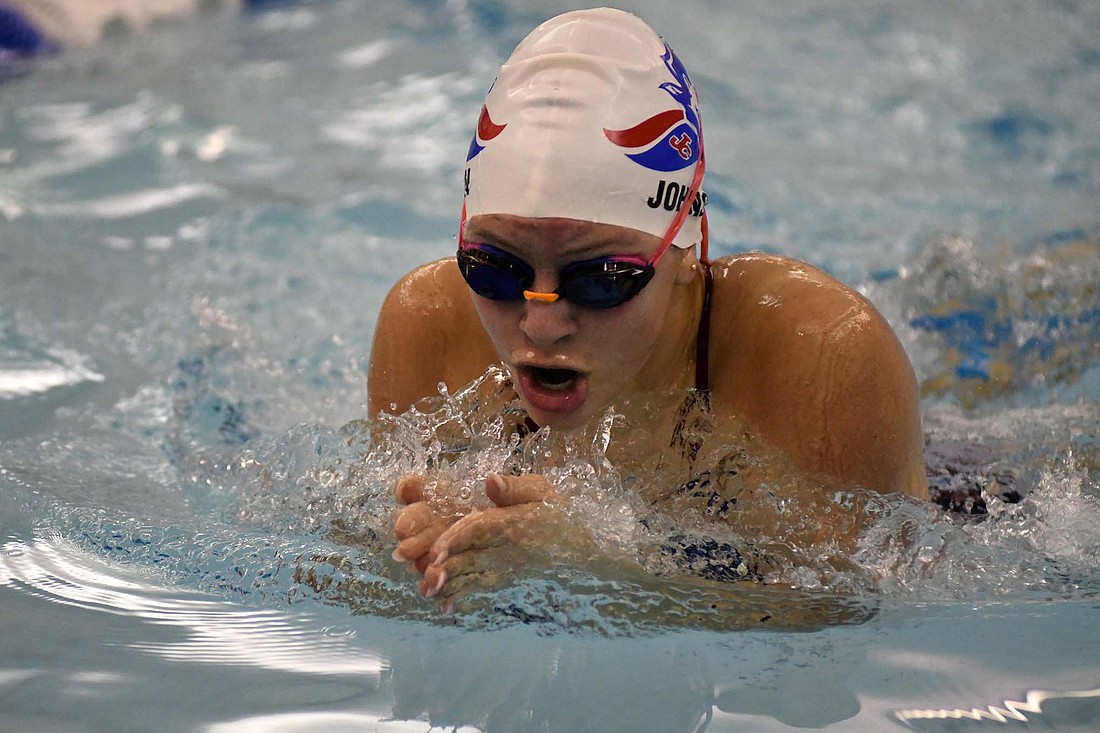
[{"x": 454, "y": 550}]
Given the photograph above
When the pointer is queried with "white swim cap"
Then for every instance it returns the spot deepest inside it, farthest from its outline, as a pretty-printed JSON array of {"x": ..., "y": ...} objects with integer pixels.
[{"x": 592, "y": 118}]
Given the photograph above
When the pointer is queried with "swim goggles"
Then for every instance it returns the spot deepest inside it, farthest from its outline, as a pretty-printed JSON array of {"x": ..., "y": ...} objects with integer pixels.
[
  {"x": 604, "y": 282},
  {"x": 600, "y": 283}
]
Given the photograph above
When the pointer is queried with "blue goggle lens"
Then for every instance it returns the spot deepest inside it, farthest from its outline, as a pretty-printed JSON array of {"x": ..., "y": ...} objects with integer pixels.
[{"x": 601, "y": 283}]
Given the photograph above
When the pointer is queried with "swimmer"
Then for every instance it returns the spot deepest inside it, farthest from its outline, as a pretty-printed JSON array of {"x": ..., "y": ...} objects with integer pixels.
[
  {"x": 31, "y": 28},
  {"x": 582, "y": 268}
]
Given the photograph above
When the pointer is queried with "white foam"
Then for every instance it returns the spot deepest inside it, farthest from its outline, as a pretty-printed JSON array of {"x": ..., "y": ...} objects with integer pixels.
[{"x": 24, "y": 380}]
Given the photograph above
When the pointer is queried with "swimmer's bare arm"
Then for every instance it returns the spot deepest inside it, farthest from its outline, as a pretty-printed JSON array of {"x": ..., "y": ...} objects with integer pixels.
[
  {"x": 428, "y": 332},
  {"x": 818, "y": 372}
]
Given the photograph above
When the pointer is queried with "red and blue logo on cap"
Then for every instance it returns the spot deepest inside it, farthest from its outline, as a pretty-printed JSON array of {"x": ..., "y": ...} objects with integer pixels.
[
  {"x": 486, "y": 131},
  {"x": 671, "y": 139}
]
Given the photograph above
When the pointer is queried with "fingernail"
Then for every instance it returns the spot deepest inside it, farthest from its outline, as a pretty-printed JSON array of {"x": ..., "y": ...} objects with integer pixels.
[
  {"x": 430, "y": 587},
  {"x": 397, "y": 556}
]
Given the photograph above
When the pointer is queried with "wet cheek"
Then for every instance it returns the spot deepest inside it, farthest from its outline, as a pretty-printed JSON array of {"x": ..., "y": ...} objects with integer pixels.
[
  {"x": 499, "y": 321},
  {"x": 625, "y": 339}
]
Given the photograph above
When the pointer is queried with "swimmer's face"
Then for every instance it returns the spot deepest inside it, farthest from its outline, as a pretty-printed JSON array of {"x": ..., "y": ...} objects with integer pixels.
[{"x": 569, "y": 362}]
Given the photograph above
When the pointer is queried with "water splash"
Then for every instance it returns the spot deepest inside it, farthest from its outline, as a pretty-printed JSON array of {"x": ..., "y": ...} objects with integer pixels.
[
  {"x": 1014, "y": 327},
  {"x": 338, "y": 486},
  {"x": 334, "y": 487}
]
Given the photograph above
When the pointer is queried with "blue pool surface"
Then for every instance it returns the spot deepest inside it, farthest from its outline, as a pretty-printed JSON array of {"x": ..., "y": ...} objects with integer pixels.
[{"x": 198, "y": 225}]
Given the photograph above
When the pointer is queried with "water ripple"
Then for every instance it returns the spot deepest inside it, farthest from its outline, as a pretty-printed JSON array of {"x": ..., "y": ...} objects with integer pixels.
[
  {"x": 1008, "y": 711},
  {"x": 53, "y": 569},
  {"x": 133, "y": 203}
]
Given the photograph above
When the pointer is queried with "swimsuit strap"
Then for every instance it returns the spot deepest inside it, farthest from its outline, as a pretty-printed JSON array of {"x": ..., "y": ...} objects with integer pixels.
[{"x": 702, "y": 338}]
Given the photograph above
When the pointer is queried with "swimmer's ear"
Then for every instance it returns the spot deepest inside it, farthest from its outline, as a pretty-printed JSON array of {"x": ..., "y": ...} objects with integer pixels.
[{"x": 688, "y": 266}]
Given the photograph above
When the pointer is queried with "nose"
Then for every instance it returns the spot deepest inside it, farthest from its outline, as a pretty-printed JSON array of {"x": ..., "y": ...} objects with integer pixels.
[{"x": 546, "y": 323}]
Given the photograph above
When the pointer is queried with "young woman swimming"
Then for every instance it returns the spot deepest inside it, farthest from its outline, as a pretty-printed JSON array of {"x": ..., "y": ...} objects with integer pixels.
[
  {"x": 577, "y": 270},
  {"x": 30, "y": 28}
]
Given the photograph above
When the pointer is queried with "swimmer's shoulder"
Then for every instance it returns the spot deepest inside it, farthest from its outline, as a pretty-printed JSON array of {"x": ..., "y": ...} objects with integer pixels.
[
  {"x": 427, "y": 332},
  {"x": 761, "y": 291},
  {"x": 817, "y": 368},
  {"x": 778, "y": 303},
  {"x": 432, "y": 291}
]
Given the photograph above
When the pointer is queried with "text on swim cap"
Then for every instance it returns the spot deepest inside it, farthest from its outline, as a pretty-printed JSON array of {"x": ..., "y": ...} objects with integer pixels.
[{"x": 670, "y": 195}]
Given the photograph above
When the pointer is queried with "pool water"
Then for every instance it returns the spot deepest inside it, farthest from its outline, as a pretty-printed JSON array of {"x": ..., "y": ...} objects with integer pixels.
[{"x": 198, "y": 225}]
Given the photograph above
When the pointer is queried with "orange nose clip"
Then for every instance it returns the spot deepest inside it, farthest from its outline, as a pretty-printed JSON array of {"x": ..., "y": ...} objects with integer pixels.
[{"x": 544, "y": 297}]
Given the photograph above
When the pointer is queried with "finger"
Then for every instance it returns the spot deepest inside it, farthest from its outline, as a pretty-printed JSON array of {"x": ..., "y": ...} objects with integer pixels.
[
  {"x": 409, "y": 488},
  {"x": 414, "y": 519},
  {"x": 435, "y": 576},
  {"x": 454, "y": 588},
  {"x": 512, "y": 490},
  {"x": 462, "y": 571},
  {"x": 416, "y": 548},
  {"x": 488, "y": 528},
  {"x": 474, "y": 531}
]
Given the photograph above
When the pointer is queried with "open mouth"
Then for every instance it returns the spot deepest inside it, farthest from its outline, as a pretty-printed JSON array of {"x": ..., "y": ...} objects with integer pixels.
[
  {"x": 552, "y": 390},
  {"x": 553, "y": 379}
]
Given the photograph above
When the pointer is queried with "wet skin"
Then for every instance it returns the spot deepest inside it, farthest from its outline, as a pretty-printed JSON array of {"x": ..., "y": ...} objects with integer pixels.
[{"x": 806, "y": 362}]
